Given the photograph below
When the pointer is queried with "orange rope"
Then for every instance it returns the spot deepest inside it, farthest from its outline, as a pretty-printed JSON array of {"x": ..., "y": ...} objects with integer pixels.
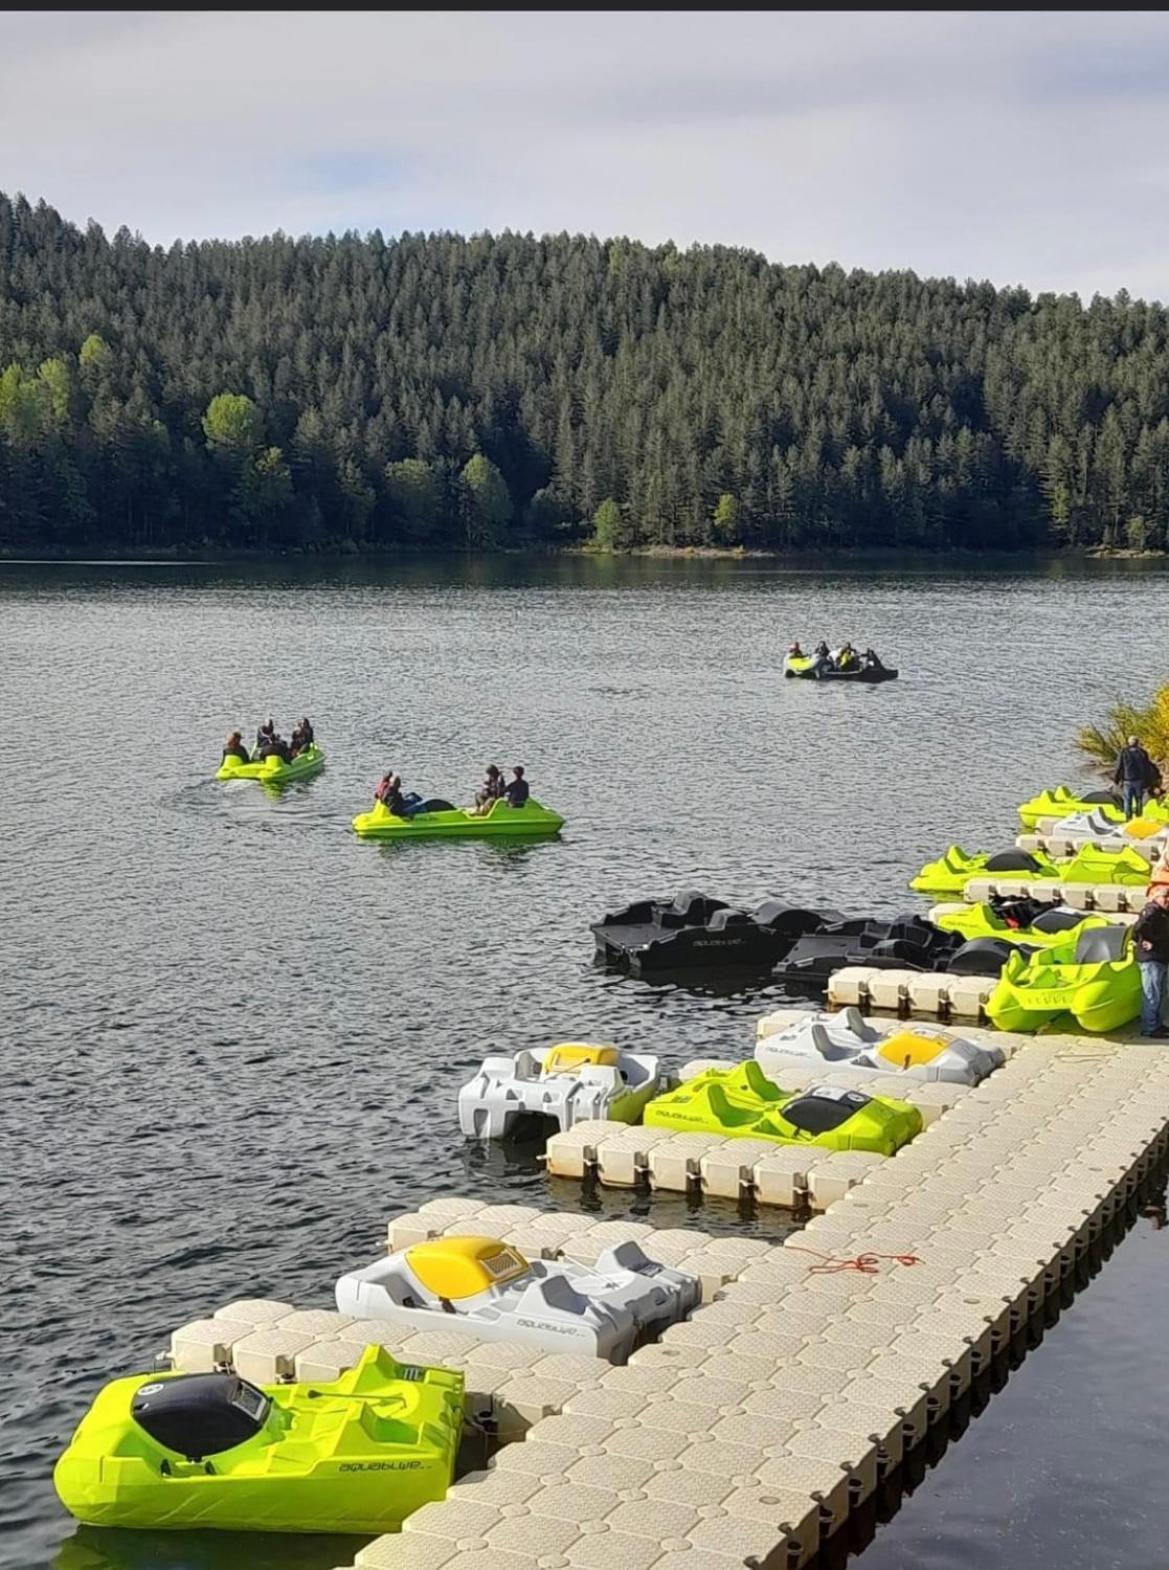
[{"x": 866, "y": 1264}]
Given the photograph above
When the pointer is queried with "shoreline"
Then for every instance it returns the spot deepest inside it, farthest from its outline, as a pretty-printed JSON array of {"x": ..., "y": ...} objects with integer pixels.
[{"x": 350, "y": 551}]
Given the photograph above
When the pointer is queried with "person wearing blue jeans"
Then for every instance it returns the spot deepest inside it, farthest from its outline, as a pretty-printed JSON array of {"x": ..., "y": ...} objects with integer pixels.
[
  {"x": 1150, "y": 936},
  {"x": 1135, "y": 774}
]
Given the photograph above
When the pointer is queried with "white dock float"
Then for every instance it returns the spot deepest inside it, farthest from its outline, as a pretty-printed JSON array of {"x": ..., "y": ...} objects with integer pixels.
[
  {"x": 927, "y": 994},
  {"x": 713, "y": 1165},
  {"x": 1108, "y": 898},
  {"x": 1059, "y": 845},
  {"x": 748, "y": 1433}
]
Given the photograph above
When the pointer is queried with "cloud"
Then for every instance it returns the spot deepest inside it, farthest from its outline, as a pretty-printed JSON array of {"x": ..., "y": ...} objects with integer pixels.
[{"x": 1024, "y": 147}]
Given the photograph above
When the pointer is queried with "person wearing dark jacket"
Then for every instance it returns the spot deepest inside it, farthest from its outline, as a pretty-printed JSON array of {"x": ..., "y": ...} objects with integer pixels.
[
  {"x": 1136, "y": 776},
  {"x": 1150, "y": 935},
  {"x": 276, "y": 747},
  {"x": 235, "y": 748},
  {"x": 389, "y": 793},
  {"x": 517, "y": 791}
]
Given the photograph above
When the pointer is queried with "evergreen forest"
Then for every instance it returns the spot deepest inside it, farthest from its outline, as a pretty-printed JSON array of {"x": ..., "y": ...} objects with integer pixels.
[{"x": 431, "y": 391}]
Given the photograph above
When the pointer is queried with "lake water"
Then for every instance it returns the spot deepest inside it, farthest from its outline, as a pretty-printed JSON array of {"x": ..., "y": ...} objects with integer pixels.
[{"x": 233, "y": 1033}]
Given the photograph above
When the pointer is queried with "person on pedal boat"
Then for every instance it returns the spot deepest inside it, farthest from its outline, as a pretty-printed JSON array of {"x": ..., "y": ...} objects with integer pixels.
[
  {"x": 517, "y": 789},
  {"x": 389, "y": 793},
  {"x": 492, "y": 790},
  {"x": 264, "y": 737},
  {"x": 302, "y": 737},
  {"x": 235, "y": 748},
  {"x": 276, "y": 747}
]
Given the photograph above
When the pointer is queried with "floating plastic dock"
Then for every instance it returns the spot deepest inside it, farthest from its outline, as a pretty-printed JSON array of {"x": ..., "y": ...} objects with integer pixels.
[
  {"x": 1061, "y": 844},
  {"x": 925, "y": 994},
  {"x": 1109, "y": 898},
  {"x": 747, "y": 1434}
]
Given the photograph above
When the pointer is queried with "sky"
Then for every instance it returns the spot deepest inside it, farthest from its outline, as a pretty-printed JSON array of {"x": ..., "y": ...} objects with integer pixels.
[{"x": 1025, "y": 147}]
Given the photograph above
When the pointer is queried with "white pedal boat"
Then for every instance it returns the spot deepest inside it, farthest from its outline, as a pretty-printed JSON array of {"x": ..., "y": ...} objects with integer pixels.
[
  {"x": 1095, "y": 827},
  {"x": 570, "y": 1083},
  {"x": 489, "y": 1290},
  {"x": 915, "y": 1050}
]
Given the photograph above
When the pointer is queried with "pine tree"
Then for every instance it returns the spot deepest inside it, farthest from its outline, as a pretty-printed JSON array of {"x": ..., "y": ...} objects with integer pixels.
[{"x": 488, "y": 503}]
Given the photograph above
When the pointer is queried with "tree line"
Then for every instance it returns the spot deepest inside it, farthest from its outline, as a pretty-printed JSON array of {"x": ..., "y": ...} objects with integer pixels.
[{"x": 446, "y": 392}]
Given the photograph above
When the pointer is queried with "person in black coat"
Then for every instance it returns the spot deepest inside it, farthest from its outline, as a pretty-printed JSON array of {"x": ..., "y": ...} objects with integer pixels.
[
  {"x": 1136, "y": 775},
  {"x": 517, "y": 790},
  {"x": 1150, "y": 935}
]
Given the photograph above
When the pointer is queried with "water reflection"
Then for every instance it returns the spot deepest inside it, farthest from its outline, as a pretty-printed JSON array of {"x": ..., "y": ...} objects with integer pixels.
[{"x": 106, "y": 1548}]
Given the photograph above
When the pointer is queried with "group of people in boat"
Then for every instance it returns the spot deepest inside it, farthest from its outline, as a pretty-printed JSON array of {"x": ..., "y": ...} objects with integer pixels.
[
  {"x": 845, "y": 658},
  {"x": 494, "y": 788},
  {"x": 270, "y": 744}
]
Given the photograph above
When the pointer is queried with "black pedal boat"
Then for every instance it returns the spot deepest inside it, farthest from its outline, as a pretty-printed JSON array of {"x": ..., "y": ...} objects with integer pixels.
[{"x": 696, "y": 932}]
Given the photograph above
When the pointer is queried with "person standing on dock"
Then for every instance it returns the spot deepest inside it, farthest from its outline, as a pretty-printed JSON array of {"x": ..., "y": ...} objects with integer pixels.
[
  {"x": 1136, "y": 776},
  {"x": 1150, "y": 935}
]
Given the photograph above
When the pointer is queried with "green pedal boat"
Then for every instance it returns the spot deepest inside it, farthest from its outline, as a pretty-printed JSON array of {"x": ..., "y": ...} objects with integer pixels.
[
  {"x": 1053, "y": 927},
  {"x": 949, "y": 875},
  {"x": 500, "y": 822},
  {"x": 273, "y": 770},
  {"x": 743, "y": 1101},
  {"x": 1095, "y": 980},
  {"x": 357, "y": 1454}
]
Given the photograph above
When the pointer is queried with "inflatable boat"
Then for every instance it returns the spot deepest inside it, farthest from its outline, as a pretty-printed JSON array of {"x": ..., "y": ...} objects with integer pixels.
[
  {"x": 806, "y": 667},
  {"x": 489, "y": 1290},
  {"x": 1095, "y": 980},
  {"x": 273, "y": 770},
  {"x": 696, "y": 932},
  {"x": 742, "y": 1101},
  {"x": 1062, "y": 802},
  {"x": 917, "y": 1051},
  {"x": 1030, "y": 922},
  {"x": 950, "y": 874},
  {"x": 569, "y": 1083},
  {"x": 441, "y": 820},
  {"x": 356, "y": 1454}
]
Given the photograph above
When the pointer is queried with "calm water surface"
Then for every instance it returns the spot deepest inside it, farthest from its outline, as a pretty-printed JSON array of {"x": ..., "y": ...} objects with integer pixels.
[{"x": 233, "y": 1033}]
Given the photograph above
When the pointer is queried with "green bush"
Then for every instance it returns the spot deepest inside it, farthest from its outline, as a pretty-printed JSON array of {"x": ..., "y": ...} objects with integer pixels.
[{"x": 1101, "y": 743}]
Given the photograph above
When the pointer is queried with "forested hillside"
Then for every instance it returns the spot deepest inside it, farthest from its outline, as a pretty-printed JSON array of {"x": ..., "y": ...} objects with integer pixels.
[{"x": 445, "y": 392}]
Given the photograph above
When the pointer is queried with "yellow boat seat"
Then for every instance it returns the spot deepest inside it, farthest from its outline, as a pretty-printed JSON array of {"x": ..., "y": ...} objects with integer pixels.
[
  {"x": 906, "y": 1049},
  {"x": 1141, "y": 828},
  {"x": 569, "y": 1055},
  {"x": 458, "y": 1267}
]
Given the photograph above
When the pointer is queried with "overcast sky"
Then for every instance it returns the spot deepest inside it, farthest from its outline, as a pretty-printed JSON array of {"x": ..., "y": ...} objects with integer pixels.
[{"x": 1026, "y": 148}]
